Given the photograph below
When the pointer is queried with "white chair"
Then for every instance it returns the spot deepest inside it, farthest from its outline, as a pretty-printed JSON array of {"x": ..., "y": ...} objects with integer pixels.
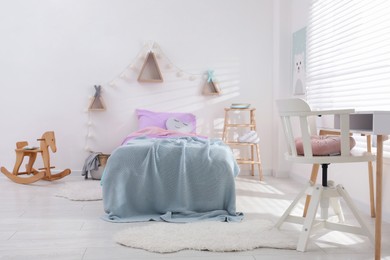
[{"x": 298, "y": 120}]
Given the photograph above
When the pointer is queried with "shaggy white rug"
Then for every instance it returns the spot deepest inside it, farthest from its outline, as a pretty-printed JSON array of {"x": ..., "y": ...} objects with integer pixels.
[
  {"x": 81, "y": 190},
  {"x": 164, "y": 237}
]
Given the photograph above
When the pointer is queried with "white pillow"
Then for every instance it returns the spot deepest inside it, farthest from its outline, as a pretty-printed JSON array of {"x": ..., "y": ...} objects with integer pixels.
[{"x": 177, "y": 125}]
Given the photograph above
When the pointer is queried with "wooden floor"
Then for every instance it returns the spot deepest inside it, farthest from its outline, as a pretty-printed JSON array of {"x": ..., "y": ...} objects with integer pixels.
[{"x": 35, "y": 224}]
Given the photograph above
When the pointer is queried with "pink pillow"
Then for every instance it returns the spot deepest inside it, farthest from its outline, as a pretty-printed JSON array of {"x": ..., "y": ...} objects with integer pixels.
[
  {"x": 148, "y": 118},
  {"x": 323, "y": 144}
]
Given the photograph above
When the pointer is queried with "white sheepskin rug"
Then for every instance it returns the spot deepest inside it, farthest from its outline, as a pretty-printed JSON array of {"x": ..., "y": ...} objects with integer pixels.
[
  {"x": 81, "y": 190},
  {"x": 162, "y": 237}
]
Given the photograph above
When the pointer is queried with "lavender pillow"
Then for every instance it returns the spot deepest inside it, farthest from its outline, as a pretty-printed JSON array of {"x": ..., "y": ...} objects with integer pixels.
[{"x": 148, "y": 118}]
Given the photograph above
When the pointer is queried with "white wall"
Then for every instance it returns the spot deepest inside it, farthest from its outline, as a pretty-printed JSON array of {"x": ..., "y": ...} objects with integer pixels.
[
  {"x": 53, "y": 52},
  {"x": 353, "y": 176},
  {"x": 281, "y": 76}
]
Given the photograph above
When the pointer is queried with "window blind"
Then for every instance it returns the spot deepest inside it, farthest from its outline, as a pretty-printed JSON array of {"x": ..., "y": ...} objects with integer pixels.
[{"x": 348, "y": 55}]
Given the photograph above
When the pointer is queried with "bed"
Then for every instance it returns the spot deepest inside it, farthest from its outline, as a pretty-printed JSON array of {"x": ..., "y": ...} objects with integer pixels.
[
  {"x": 167, "y": 175},
  {"x": 173, "y": 175}
]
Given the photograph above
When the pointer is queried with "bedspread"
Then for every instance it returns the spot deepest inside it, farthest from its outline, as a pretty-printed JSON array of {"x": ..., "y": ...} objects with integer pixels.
[{"x": 181, "y": 179}]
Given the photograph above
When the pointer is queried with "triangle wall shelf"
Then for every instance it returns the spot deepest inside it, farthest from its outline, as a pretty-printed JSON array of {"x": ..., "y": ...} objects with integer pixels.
[
  {"x": 150, "y": 71},
  {"x": 96, "y": 103},
  {"x": 211, "y": 88}
]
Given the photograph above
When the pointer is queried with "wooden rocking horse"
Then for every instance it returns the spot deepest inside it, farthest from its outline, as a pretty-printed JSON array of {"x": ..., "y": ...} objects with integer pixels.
[{"x": 22, "y": 150}]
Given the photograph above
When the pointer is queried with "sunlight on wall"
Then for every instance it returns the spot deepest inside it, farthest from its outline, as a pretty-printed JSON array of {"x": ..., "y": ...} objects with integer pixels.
[{"x": 181, "y": 91}]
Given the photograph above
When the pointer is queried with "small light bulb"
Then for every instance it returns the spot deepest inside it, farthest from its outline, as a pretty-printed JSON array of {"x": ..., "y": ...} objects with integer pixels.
[
  {"x": 179, "y": 74},
  {"x": 144, "y": 56}
]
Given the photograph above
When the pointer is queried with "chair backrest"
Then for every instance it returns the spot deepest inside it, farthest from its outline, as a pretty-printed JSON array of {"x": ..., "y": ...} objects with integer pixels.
[{"x": 298, "y": 120}]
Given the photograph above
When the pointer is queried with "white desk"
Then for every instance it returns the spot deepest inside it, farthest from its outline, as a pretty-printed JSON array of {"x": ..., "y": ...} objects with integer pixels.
[{"x": 375, "y": 123}]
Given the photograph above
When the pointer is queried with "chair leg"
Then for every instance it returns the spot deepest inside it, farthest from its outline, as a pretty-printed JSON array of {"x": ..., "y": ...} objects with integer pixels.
[
  {"x": 310, "y": 218},
  {"x": 366, "y": 230},
  {"x": 313, "y": 179},
  {"x": 335, "y": 203},
  {"x": 324, "y": 197},
  {"x": 324, "y": 205},
  {"x": 286, "y": 214}
]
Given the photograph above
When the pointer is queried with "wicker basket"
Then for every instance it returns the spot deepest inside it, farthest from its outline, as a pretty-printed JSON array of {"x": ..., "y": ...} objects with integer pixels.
[
  {"x": 103, "y": 159},
  {"x": 97, "y": 175}
]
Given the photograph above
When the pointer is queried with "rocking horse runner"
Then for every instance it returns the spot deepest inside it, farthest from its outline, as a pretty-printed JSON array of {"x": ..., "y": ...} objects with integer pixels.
[{"x": 22, "y": 150}]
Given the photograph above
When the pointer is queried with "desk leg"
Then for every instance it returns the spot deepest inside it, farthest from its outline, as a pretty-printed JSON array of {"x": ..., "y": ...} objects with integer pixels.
[
  {"x": 371, "y": 178},
  {"x": 378, "y": 220}
]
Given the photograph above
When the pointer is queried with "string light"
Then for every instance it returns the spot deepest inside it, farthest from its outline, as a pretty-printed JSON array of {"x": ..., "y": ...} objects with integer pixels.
[
  {"x": 124, "y": 74},
  {"x": 170, "y": 64},
  {"x": 89, "y": 124},
  {"x": 142, "y": 55}
]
